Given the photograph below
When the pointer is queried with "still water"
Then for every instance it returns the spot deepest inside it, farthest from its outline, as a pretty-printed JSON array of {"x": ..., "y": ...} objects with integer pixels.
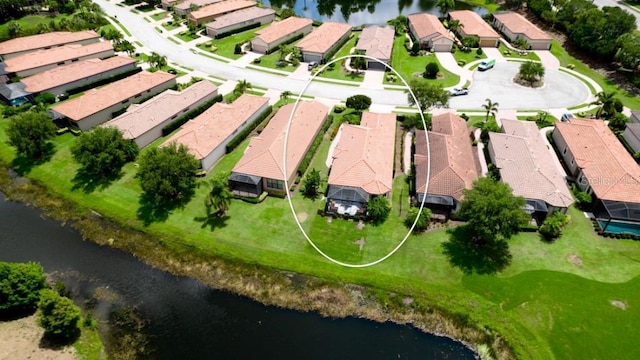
[{"x": 187, "y": 319}]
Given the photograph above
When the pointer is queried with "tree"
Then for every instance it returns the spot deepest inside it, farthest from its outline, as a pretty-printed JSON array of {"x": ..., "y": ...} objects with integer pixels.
[
  {"x": 103, "y": 151},
  {"x": 58, "y": 315},
  {"x": 491, "y": 108},
  {"x": 157, "y": 61},
  {"x": 358, "y": 62},
  {"x": 423, "y": 221},
  {"x": 415, "y": 48},
  {"x": 42, "y": 28},
  {"x": 237, "y": 49},
  {"x": 531, "y": 71},
  {"x": 553, "y": 225},
  {"x": 30, "y": 134},
  {"x": 428, "y": 95},
  {"x": 455, "y": 25},
  {"x": 20, "y": 286},
  {"x": 597, "y": 31},
  {"x": 241, "y": 87},
  {"x": 444, "y": 6},
  {"x": 311, "y": 184},
  {"x": 628, "y": 54},
  {"x": 521, "y": 43},
  {"x": 378, "y": 209},
  {"x": 431, "y": 70},
  {"x": 14, "y": 29},
  {"x": 399, "y": 24},
  {"x": 45, "y": 98},
  {"x": 113, "y": 35},
  {"x": 284, "y": 96},
  {"x": 219, "y": 197},
  {"x": 618, "y": 123},
  {"x": 287, "y": 13},
  {"x": 470, "y": 41},
  {"x": 126, "y": 46},
  {"x": 358, "y": 102},
  {"x": 608, "y": 104}
]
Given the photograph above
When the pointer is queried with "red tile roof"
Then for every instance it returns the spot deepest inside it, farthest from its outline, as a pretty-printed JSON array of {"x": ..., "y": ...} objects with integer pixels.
[
  {"x": 35, "y": 42},
  {"x": 473, "y": 24},
  {"x": 324, "y": 37},
  {"x": 518, "y": 24},
  {"x": 426, "y": 25}
]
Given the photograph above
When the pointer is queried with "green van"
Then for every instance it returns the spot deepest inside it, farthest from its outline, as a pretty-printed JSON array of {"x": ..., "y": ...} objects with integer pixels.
[{"x": 486, "y": 64}]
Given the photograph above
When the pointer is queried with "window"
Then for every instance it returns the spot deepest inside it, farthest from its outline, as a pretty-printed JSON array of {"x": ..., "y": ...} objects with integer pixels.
[
  {"x": 572, "y": 162},
  {"x": 564, "y": 152},
  {"x": 174, "y": 116},
  {"x": 74, "y": 60},
  {"x": 61, "y": 63},
  {"x": 138, "y": 95},
  {"x": 124, "y": 101},
  {"x": 275, "y": 184}
]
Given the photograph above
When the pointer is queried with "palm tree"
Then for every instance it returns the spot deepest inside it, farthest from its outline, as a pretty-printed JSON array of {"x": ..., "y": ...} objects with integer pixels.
[
  {"x": 126, "y": 46},
  {"x": 444, "y": 6},
  {"x": 455, "y": 25},
  {"x": 608, "y": 103},
  {"x": 242, "y": 87},
  {"x": 219, "y": 197},
  {"x": 491, "y": 108},
  {"x": 284, "y": 96},
  {"x": 157, "y": 61}
]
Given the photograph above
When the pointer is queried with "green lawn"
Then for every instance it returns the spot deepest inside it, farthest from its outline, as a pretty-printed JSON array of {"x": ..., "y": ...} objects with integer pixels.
[
  {"x": 270, "y": 60},
  {"x": 513, "y": 54},
  {"x": 30, "y": 22},
  {"x": 159, "y": 16},
  {"x": 226, "y": 45},
  {"x": 467, "y": 57},
  {"x": 89, "y": 345},
  {"x": 186, "y": 36},
  {"x": 171, "y": 26},
  {"x": 338, "y": 72}
]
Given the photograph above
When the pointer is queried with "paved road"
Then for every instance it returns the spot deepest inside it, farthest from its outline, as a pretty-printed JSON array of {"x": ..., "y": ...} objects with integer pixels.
[{"x": 636, "y": 13}]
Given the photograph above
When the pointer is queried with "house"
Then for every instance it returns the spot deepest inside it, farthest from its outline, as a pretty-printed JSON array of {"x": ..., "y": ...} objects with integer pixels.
[
  {"x": 167, "y": 4},
  {"x": 429, "y": 31},
  {"x": 377, "y": 42},
  {"x": 210, "y": 12},
  {"x": 184, "y": 8},
  {"x": 97, "y": 106},
  {"x": 280, "y": 32},
  {"x": 323, "y": 40},
  {"x": 632, "y": 136},
  {"x": 453, "y": 166},
  {"x": 602, "y": 167},
  {"x": 530, "y": 167},
  {"x": 474, "y": 25},
  {"x": 144, "y": 122},
  {"x": 362, "y": 165},
  {"x": 635, "y": 116},
  {"x": 14, "y": 94},
  {"x": 241, "y": 19},
  {"x": 261, "y": 167},
  {"x": 42, "y": 60},
  {"x": 62, "y": 78},
  {"x": 515, "y": 26},
  {"x": 26, "y": 44},
  {"x": 207, "y": 135}
]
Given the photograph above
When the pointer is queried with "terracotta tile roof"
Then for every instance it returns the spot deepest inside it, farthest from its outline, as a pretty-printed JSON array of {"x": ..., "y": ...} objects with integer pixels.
[
  {"x": 206, "y": 132},
  {"x": 220, "y": 8},
  {"x": 610, "y": 170},
  {"x": 473, "y": 24},
  {"x": 55, "y": 55},
  {"x": 35, "y": 42},
  {"x": 324, "y": 37},
  {"x": 96, "y": 100},
  {"x": 264, "y": 155},
  {"x": 527, "y": 165},
  {"x": 363, "y": 157},
  {"x": 69, "y": 73},
  {"x": 377, "y": 41},
  {"x": 426, "y": 25},
  {"x": 282, "y": 28},
  {"x": 518, "y": 24},
  {"x": 141, "y": 118},
  {"x": 186, "y": 5},
  {"x": 239, "y": 16},
  {"x": 453, "y": 165}
]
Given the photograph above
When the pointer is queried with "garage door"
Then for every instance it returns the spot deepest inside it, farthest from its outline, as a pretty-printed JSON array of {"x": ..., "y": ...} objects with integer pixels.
[
  {"x": 311, "y": 57},
  {"x": 374, "y": 65},
  {"x": 441, "y": 47},
  {"x": 259, "y": 48},
  {"x": 488, "y": 42},
  {"x": 540, "y": 45}
]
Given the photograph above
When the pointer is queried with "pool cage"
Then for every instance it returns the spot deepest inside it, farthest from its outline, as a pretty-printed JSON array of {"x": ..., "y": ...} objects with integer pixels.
[{"x": 609, "y": 212}]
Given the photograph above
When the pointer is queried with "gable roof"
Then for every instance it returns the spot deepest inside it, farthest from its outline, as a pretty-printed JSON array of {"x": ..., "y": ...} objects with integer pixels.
[
  {"x": 473, "y": 24},
  {"x": 280, "y": 29},
  {"x": 186, "y": 4},
  {"x": 377, "y": 41},
  {"x": 363, "y": 157},
  {"x": 55, "y": 55},
  {"x": 611, "y": 171},
  {"x": 96, "y": 100},
  {"x": 453, "y": 166},
  {"x": 240, "y": 16},
  {"x": 264, "y": 155},
  {"x": 518, "y": 24},
  {"x": 220, "y": 8},
  {"x": 35, "y": 42},
  {"x": 208, "y": 130},
  {"x": 324, "y": 37},
  {"x": 527, "y": 165},
  {"x": 426, "y": 25}
]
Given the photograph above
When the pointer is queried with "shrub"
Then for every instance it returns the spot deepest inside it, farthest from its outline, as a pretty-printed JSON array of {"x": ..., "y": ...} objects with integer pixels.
[
  {"x": 58, "y": 315},
  {"x": 353, "y": 118},
  {"x": 304, "y": 164},
  {"x": 553, "y": 225},
  {"x": 237, "y": 49},
  {"x": 378, "y": 209},
  {"x": 20, "y": 286},
  {"x": 63, "y": 97},
  {"x": 431, "y": 70},
  {"x": 415, "y": 48},
  {"x": 583, "y": 199},
  {"x": 359, "y": 102},
  {"x": 479, "y": 52},
  {"x": 462, "y": 63},
  {"x": 338, "y": 109},
  {"x": 45, "y": 98},
  {"x": 423, "y": 220},
  {"x": 470, "y": 41}
]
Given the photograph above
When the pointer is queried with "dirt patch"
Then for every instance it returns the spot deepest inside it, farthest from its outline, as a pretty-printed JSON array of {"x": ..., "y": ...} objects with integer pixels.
[
  {"x": 574, "y": 259},
  {"x": 20, "y": 339},
  {"x": 619, "y": 304},
  {"x": 302, "y": 217}
]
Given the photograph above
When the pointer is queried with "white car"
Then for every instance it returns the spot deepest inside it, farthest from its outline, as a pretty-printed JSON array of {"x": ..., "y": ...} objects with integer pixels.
[{"x": 458, "y": 91}]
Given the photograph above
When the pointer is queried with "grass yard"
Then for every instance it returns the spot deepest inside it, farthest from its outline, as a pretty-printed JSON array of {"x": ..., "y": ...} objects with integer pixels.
[
  {"x": 30, "y": 22},
  {"x": 226, "y": 46},
  {"x": 170, "y": 25},
  {"x": 159, "y": 16},
  {"x": 270, "y": 60},
  {"x": 338, "y": 72},
  {"x": 187, "y": 36},
  {"x": 467, "y": 57},
  {"x": 514, "y": 54}
]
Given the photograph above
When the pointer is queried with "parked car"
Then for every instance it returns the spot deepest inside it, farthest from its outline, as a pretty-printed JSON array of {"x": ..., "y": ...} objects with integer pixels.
[
  {"x": 486, "y": 64},
  {"x": 312, "y": 65},
  {"x": 566, "y": 117},
  {"x": 458, "y": 91}
]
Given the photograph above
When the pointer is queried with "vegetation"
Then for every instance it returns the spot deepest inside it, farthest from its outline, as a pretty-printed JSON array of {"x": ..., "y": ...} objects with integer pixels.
[
  {"x": 30, "y": 134},
  {"x": 618, "y": 123},
  {"x": 20, "y": 286},
  {"x": 427, "y": 95},
  {"x": 311, "y": 184},
  {"x": 422, "y": 221},
  {"x": 58, "y": 315},
  {"x": 157, "y": 61},
  {"x": 553, "y": 225},
  {"x": 608, "y": 104},
  {"x": 219, "y": 197},
  {"x": 378, "y": 209},
  {"x": 531, "y": 72},
  {"x": 358, "y": 102},
  {"x": 431, "y": 70}
]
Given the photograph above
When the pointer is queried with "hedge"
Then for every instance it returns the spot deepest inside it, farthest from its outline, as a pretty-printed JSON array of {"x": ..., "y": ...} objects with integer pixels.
[
  {"x": 293, "y": 39},
  {"x": 244, "y": 133},
  {"x": 253, "y": 200},
  {"x": 336, "y": 49},
  {"x": 104, "y": 81},
  {"x": 239, "y": 30},
  {"x": 190, "y": 115},
  {"x": 314, "y": 146}
]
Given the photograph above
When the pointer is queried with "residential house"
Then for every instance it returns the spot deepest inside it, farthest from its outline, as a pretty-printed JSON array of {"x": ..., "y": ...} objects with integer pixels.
[
  {"x": 207, "y": 135},
  {"x": 474, "y": 25},
  {"x": 515, "y": 26},
  {"x": 635, "y": 116},
  {"x": 211, "y": 12},
  {"x": 453, "y": 166},
  {"x": 261, "y": 168},
  {"x": 14, "y": 94},
  {"x": 429, "y": 32},
  {"x": 253, "y": 16},
  {"x": 167, "y": 4},
  {"x": 26, "y": 44},
  {"x": 530, "y": 167},
  {"x": 323, "y": 40},
  {"x": 632, "y": 136},
  {"x": 185, "y": 7},
  {"x": 279, "y": 33},
  {"x": 144, "y": 122},
  {"x": 377, "y": 42},
  {"x": 602, "y": 167},
  {"x": 362, "y": 165},
  {"x": 97, "y": 106}
]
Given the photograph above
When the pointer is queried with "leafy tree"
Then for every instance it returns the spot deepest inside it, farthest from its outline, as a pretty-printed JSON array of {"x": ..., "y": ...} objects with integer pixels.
[
  {"x": 428, "y": 95},
  {"x": 444, "y": 6},
  {"x": 30, "y": 134},
  {"x": 521, "y": 43},
  {"x": 431, "y": 70},
  {"x": 618, "y": 122},
  {"x": 358, "y": 102},
  {"x": 488, "y": 126},
  {"x": 58, "y": 315},
  {"x": 12, "y": 9},
  {"x": 415, "y": 48},
  {"x": 423, "y": 221},
  {"x": 357, "y": 62},
  {"x": 608, "y": 104},
  {"x": 112, "y": 35},
  {"x": 103, "y": 151},
  {"x": 287, "y": 13},
  {"x": 515, "y": 4},
  {"x": 192, "y": 28},
  {"x": 311, "y": 184},
  {"x": 531, "y": 71},
  {"x": 14, "y": 29},
  {"x": 220, "y": 195},
  {"x": 399, "y": 23},
  {"x": 628, "y": 53},
  {"x": 20, "y": 286},
  {"x": 597, "y": 31},
  {"x": 553, "y": 225},
  {"x": 378, "y": 209}
]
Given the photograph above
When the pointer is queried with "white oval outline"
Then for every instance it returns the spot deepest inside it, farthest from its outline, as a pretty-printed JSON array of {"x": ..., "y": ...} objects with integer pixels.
[{"x": 284, "y": 166}]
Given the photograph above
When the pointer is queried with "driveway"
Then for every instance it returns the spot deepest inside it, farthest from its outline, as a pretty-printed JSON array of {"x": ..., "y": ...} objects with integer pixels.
[{"x": 547, "y": 59}]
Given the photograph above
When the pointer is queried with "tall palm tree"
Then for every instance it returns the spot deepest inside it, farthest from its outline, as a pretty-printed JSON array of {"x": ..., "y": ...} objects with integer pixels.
[
  {"x": 491, "y": 108},
  {"x": 242, "y": 87},
  {"x": 608, "y": 104},
  {"x": 284, "y": 96},
  {"x": 156, "y": 60},
  {"x": 455, "y": 25},
  {"x": 219, "y": 197}
]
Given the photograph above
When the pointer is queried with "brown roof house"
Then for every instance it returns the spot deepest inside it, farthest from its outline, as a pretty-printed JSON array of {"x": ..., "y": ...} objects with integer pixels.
[
  {"x": 530, "y": 167},
  {"x": 474, "y": 25},
  {"x": 515, "y": 26},
  {"x": 26, "y": 44},
  {"x": 377, "y": 42},
  {"x": 167, "y": 4},
  {"x": 280, "y": 32},
  {"x": 261, "y": 167},
  {"x": 601, "y": 166},
  {"x": 632, "y": 136},
  {"x": 207, "y": 135},
  {"x": 210, "y": 12},
  {"x": 183, "y": 8},
  {"x": 241, "y": 19},
  {"x": 97, "y": 106},
  {"x": 323, "y": 40},
  {"x": 62, "y": 78},
  {"x": 42, "y": 60},
  {"x": 144, "y": 122},
  {"x": 453, "y": 163},
  {"x": 429, "y": 31},
  {"x": 362, "y": 165}
]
